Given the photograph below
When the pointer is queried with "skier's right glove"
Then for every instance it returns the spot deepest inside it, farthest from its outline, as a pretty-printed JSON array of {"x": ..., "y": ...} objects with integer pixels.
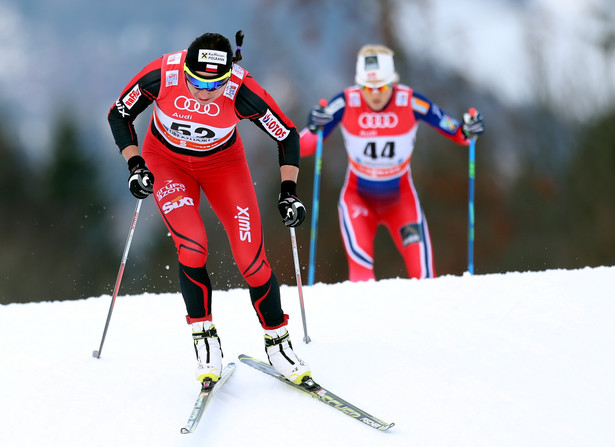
[
  {"x": 290, "y": 207},
  {"x": 141, "y": 180},
  {"x": 318, "y": 118}
]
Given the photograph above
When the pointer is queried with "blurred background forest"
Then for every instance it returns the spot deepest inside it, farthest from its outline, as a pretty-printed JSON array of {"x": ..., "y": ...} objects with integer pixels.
[{"x": 545, "y": 169}]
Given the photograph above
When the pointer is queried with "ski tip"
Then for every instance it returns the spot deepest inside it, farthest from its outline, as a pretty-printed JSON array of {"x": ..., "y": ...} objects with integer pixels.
[{"x": 185, "y": 431}]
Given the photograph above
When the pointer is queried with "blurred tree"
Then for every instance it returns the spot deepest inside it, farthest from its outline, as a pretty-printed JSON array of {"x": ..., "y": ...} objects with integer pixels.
[
  {"x": 589, "y": 200},
  {"x": 57, "y": 246},
  {"x": 73, "y": 206},
  {"x": 16, "y": 212},
  {"x": 563, "y": 207}
]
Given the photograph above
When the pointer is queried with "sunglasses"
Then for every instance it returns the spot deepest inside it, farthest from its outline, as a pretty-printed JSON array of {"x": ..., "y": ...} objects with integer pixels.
[
  {"x": 206, "y": 83},
  {"x": 381, "y": 89}
]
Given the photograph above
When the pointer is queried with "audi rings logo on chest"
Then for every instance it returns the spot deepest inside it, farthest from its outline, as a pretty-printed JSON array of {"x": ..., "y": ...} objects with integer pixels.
[
  {"x": 378, "y": 120},
  {"x": 192, "y": 105}
]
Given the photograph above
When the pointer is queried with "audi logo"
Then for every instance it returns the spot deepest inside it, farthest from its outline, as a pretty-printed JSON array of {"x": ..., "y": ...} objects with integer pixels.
[
  {"x": 192, "y": 105},
  {"x": 378, "y": 120}
]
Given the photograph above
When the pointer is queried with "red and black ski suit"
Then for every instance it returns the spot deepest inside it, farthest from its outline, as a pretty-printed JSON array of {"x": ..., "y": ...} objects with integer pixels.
[{"x": 191, "y": 147}]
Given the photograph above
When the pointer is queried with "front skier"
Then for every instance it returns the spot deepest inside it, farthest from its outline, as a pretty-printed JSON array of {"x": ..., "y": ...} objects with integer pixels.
[{"x": 192, "y": 144}]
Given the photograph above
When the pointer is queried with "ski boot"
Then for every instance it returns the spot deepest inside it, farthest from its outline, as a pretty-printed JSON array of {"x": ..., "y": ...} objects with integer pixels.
[
  {"x": 208, "y": 352},
  {"x": 281, "y": 356}
]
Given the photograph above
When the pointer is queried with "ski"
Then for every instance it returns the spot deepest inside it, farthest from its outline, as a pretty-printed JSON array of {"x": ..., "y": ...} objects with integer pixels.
[
  {"x": 322, "y": 394},
  {"x": 207, "y": 393}
]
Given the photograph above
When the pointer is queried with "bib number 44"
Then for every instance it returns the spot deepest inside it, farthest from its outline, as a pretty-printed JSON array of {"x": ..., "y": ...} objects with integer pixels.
[{"x": 387, "y": 151}]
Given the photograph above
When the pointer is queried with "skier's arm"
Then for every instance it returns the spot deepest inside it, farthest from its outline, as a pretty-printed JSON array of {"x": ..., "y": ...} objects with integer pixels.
[
  {"x": 427, "y": 111},
  {"x": 254, "y": 103},
  {"x": 140, "y": 92},
  {"x": 334, "y": 110}
]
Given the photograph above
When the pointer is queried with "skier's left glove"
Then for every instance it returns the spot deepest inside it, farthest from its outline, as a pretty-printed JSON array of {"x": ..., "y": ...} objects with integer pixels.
[
  {"x": 472, "y": 123},
  {"x": 141, "y": 180},
  {"x": 290, "y": 207}
]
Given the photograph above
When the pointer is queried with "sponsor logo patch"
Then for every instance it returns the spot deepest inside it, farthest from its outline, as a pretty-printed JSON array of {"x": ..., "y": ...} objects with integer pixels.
[
  {"x": 448, "y": 123},
  {"x": 176, "y": 203},
  {"x": 420, "y": 106},
  {"x": 192, "y": 105},
  {"x": 243, "y": 220},
  {"x": 401, "y": 99},
  {"x": 212, "y": 56},
  {"x": 371, "y": 63},
  {"x": 238, "y": 71},
  {"x": 231, "y": 89},
  {"x": 336, "y": 105},
  {"x": 119, "y": 105},
  {"x": 273, "y": 126},
  {"x": 132, "y": 97},
  {"x": 411, "y": 234},
  {"x": 378, "y": 120},
  {"x": 172, "y": 77},
  {"x": 170, "y": 188},
  {"x": 174, "y": 59}
]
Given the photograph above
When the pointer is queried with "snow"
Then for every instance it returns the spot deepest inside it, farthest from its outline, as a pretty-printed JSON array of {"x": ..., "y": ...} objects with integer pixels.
[{"x": 486, "y": 360}]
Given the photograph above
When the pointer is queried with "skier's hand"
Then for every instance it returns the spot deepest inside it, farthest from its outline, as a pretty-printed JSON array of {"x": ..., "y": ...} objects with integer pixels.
[
  {"x": 319, "y": 117},
  {"x": 141, "y": 180},
  {"x": 290, "y": 207},
  {"x": 472, "y": 123}
]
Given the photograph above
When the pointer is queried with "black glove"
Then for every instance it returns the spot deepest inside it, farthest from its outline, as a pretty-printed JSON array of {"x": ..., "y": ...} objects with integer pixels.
[
  {"x": 141, "y": 180},
  {"x": 318, "y": 118},
  {"x": 289, "y": 205},
  {"x": 472, "y": 123}
]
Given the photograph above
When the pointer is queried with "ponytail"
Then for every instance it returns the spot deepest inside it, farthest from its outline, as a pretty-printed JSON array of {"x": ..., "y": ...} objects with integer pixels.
[{"x": 238, "y": 43}]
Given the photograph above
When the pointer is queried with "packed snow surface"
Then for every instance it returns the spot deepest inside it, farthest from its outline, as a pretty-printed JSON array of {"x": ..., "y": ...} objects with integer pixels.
[{"x": 516, "y": 359}]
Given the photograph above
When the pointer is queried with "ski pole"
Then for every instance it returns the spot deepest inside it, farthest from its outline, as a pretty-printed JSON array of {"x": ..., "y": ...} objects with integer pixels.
[
  {"x": 293, "y": 240},
  {"x": 471, "y": 175},
  {"x": 315, "y": 201},
  {"x": 96, "y": 353}
]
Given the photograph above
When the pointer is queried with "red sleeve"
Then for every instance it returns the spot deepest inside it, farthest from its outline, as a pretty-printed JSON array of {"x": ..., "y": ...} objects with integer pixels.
[
  {"x": 308, "y": 141},
  {"x": 458, "y": 137}
]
